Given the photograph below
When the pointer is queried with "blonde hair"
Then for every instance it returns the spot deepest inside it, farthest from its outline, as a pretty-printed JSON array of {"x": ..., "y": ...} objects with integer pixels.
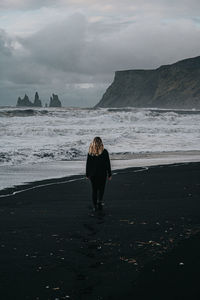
[{"x": 96, "y": 147}]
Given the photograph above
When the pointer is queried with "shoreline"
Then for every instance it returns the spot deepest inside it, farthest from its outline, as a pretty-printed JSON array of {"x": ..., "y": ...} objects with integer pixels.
[
  {"x": 54, "y": 246},
  {"x": 12, "y": 177},
  {"x": 14, "y": 190}
]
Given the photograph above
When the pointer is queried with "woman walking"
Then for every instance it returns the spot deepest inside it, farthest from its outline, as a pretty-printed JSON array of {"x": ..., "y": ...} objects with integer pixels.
[{"x": 97, "y": 170}]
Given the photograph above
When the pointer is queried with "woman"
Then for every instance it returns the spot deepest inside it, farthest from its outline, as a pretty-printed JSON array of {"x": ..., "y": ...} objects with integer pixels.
[{"x": 97, "y": 170}]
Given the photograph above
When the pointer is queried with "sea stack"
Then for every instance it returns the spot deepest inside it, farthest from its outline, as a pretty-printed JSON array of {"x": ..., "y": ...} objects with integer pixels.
[
  {"x": 169, "y": 86},
  {"x": 54, "y": 101},
  {"x": 37, "y": 101},
  {"x": 24, "y": 102}
]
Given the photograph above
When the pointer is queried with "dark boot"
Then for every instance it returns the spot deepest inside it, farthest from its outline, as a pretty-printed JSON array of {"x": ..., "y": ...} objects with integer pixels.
[{"x": 95, "y": 207}]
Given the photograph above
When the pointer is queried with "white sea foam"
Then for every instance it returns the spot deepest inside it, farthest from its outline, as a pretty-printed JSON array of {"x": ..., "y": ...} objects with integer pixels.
[{"x": 29, "y": 136}]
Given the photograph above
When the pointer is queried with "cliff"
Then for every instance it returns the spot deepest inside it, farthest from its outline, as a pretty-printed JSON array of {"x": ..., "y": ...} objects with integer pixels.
[{"x": 170, "y": 86}]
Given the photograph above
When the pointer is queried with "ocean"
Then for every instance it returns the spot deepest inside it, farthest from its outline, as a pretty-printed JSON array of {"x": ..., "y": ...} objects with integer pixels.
[{"x": 32, "y": 137}]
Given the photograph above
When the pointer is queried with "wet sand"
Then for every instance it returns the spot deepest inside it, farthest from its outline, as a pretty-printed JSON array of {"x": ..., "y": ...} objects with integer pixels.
[{"x": 145, "y": 244}]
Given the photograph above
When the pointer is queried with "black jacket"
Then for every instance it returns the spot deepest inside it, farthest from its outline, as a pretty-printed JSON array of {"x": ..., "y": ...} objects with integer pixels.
[{"x": 98, "y": 165}]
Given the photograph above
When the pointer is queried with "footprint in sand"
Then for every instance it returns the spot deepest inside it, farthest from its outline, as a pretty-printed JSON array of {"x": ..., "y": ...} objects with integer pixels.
[{"x": 89, "y": 227}]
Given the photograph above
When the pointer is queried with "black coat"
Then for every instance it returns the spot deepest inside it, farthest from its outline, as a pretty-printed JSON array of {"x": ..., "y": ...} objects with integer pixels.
[{"x": 98, "y": 165}]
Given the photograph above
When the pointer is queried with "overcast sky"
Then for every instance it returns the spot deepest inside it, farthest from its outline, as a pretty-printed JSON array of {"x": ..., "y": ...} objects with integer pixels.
[{"x": 74, "y": 47}]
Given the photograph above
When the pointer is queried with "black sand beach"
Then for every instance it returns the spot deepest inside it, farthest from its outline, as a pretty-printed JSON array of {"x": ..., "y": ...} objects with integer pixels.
[{"x": 144, "y": 245}]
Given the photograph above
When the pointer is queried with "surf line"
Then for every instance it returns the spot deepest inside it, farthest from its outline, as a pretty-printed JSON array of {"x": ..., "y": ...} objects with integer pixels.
[
  {"x": 142, "y": 169},
  {"x": 38, "y": 186},
  {"x": 62, "y": 182}
]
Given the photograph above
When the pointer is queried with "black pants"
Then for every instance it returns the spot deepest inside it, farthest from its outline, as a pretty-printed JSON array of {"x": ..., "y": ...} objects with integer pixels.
[{"x": 98, "y": 186}]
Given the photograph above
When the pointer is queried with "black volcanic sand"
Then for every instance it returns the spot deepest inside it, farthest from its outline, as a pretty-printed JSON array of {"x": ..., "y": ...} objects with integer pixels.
[{"x": 144, "y": 245}]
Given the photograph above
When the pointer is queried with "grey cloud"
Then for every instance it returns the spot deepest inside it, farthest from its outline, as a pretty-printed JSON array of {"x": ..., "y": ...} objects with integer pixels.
[
  {"x": 73, "y": 47},
  {"x": 5, "y": 44},
  {"x": 21, "y": 73},
  {"x": 165, "y": 7},
  {"x": 59, "y": 45},
  {"x": 6, "y": 52},
  {"x": 25, "y": 4}
]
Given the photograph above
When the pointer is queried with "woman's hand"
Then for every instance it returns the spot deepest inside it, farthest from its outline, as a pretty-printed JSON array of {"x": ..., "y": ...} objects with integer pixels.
[{"x": 110, "y": 177}]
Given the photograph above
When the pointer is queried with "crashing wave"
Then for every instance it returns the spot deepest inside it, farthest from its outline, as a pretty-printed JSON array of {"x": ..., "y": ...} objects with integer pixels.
[
  {"x": 65, "y": 134},
  {"x": 23, "y": 113}
]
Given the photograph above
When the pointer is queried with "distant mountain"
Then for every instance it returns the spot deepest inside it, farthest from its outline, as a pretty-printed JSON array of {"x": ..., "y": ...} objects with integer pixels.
[
  {"x": 170, "y": 86},
  {"x": 27, "y": 103},
  {"x": 24, "y": 101},
  {"x": 54, "y": 101},
  {"x": 37, "y": 101}
]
